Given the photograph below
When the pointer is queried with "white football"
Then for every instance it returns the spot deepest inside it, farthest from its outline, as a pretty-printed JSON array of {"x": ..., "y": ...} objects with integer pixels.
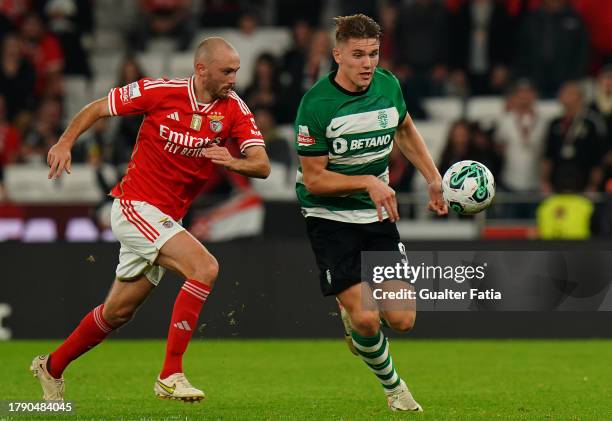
[{"x": 468, "y": 187}]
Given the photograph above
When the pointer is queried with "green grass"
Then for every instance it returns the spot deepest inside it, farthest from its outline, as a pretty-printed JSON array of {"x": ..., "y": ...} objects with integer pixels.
[{"x": 319, "y": 379}]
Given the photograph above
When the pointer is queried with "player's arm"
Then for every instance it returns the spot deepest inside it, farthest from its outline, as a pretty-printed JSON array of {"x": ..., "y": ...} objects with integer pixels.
[
  {"x": 254, "y": 164},
  {"x": 59, "y": 158},
  {"x": 322, "y": 182},
  {"x": 412, "y": 145}
]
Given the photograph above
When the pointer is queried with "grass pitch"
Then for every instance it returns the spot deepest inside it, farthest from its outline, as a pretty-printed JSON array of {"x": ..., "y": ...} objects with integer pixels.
[{"x": 319, "y": 379}]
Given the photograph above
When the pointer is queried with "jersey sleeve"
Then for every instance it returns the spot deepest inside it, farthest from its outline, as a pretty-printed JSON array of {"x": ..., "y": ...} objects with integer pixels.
[
  {"x": 398, "y": 100},
  {"x": 309, "y": 132},
  {"x": 244, "y": 129},
  {"x": 133, "y": 98}
]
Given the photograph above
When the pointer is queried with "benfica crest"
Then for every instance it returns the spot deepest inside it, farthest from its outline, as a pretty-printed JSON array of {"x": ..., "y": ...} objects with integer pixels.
[{"x": 215, "y": 122}]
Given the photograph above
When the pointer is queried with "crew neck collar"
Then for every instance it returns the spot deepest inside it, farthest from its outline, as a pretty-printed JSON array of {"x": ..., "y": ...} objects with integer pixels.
[{"x": 332, "y": 79}]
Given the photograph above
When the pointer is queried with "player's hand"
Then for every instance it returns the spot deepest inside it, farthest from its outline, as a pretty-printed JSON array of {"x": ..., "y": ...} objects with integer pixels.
[
  {"x": 383, "y": 197},
  {"x": 59, "y": 160},
  {"x": 437, "y": 203},
  {"x": 220, "y": 156}
]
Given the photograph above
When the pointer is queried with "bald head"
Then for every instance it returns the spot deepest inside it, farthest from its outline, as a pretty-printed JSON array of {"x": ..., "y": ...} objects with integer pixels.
[
  {"x": 216, "y": 63},
  {"x": 211, "y": 49}
]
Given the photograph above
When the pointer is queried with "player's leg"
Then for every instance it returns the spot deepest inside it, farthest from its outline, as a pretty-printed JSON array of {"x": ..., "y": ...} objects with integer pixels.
[
  {"x": 337, "y": 247},
  {"x": 397, "y": 314},
  {"x": 373, "y": 347},
  {"x": 118, "y": 308},
  {"x": 187, "y": 256}
]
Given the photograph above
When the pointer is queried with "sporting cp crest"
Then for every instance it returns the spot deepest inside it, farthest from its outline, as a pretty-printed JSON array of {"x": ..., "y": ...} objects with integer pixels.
[
  {"x": 383, "y": 120},
  {"x": 215, "y": 122}
]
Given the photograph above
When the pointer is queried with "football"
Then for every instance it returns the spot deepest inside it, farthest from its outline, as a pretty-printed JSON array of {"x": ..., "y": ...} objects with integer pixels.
[{"x": 468, "y": 187}]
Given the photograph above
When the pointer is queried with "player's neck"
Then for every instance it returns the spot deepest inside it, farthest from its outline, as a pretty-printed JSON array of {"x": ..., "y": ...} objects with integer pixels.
[
  {"x": 346, "y": 84},
  {"x": 201, "y": 94}
]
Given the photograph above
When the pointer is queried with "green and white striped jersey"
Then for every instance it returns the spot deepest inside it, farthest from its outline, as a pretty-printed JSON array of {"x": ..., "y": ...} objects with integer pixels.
[{"x": 356, "y": 131}]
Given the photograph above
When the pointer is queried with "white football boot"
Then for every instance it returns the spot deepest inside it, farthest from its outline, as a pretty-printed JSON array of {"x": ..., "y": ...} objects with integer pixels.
[
  {"x": 53, "y": 389},
  {"x": 177, "y": 387},
  {"x": 401, "y": 399},
  {"x": 348, "y": 328}
]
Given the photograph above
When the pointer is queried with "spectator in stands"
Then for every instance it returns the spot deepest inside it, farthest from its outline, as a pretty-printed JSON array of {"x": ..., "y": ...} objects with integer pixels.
[
  {"x": 6, "y": 26},
  {"x": 520, "y": 137},
  {"x": 351, "y": 7},
  {"x": 294, "y": 60},
  {"x": 602, "y": 98},
  {"x": 43, "y": 50},
  {"x": 277, "y": 147},
  {"x": 597, "y": 15},
  {"x": 483, "y": 149},
  {"x": 17, "y": 78},
  {"x": 12, "y": 13},
  {"x": 265, "y": 87},
  {"x": 601, "y": 223},
  {"x": 63, "y": 23},
  {"x": 574, "y": 146},
  {"x": 421, "y": 47},
  {"x": 565, "y": 217},
  {"x": 165, "y": 18},
  {"x": 250, "y": 42},
  {"x": 46, "y": 128},
  {"x": 388, "y": 16},
  {"x": 319, "y": 60},
  {"x": 458, "y": 145},
  {"x": 480, "y": 46},
  {"x": 411, "y": 84},
  {"x": 221, "y": 13},
  {"x": 553, "y": 46},
  {"x": 287, "y": 12},
  {"x": 83, "y": 17},
  {"x": 602, "y": 104},
  {"x": 10, "y": 142},
  {"x": 519, "y": 9}
]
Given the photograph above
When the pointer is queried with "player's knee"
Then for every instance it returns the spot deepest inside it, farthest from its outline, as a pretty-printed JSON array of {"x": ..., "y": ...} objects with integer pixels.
[
  {"x": 206, "y": 270},
  {"x": 118, "y": 315},
  {"x": 366, "y": 323},
  {"x": 405, "y": 324}
]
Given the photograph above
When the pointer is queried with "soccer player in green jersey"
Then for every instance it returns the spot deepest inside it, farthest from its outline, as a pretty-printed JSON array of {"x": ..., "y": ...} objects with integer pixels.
[{"x": 346, "y": 126}]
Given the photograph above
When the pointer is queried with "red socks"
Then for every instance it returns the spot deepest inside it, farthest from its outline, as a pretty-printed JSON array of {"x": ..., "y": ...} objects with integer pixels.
[
  {"x": 184, "y": 319},
  {"x": 90, "y": 332},
  {"x": 93, "y": 329}
]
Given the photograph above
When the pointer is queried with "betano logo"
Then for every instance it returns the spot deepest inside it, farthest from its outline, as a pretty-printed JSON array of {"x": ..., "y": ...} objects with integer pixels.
[{"x": 341, "y": 145}]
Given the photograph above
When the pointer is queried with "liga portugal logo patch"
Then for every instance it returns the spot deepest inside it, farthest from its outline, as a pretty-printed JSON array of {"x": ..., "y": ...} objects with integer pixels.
[{"x": 303, "y": 137}]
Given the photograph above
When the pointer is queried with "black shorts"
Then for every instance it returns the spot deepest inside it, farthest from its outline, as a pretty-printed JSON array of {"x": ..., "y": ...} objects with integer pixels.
[{"x": 338, "y": 245}]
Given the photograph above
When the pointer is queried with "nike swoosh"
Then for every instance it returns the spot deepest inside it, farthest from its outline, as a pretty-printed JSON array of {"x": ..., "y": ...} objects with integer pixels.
[
  {"x": 168, "y": 389},
  {"x": 333, "y": 129}
]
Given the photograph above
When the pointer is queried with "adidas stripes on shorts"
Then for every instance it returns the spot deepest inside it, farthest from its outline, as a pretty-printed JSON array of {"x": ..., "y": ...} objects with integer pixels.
[{"x": 142, "y": 230}]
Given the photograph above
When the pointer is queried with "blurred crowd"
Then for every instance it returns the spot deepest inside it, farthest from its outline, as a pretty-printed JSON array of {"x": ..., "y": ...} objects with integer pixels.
[{"x": 522, "y": 50}]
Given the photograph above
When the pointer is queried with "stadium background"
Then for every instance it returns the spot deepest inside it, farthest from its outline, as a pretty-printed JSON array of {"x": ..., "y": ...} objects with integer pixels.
[
  {"x": 502, "y": 82},
  {"x": 481, "y": 79}
]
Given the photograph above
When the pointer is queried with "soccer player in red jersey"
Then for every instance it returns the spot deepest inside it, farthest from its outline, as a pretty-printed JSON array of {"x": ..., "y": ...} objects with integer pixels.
[{"x": 187, "y": 123}]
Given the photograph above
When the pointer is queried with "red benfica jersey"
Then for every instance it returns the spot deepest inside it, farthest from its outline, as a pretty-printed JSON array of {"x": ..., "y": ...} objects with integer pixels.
[{"x": 168, "y": 168}]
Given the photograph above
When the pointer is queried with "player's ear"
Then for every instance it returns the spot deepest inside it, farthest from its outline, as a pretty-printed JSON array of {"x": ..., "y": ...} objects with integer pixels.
[
  {"x": 337, "y": 55},
  {"x": 200, "y": 68}
]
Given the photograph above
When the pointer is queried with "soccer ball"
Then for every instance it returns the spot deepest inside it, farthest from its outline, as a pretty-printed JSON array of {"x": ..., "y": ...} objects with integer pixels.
[{"x": 468, "y": 187}]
